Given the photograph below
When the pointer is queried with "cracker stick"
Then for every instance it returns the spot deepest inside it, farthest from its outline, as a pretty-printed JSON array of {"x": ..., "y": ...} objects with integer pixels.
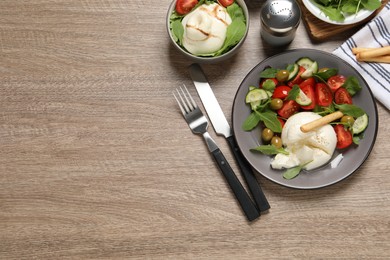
[
  {"x": 375, "y": 53},
  {"x": 380, "y": 59},
  {"x": 357, "y": 50},
  {"x": 321, "y": 121}
]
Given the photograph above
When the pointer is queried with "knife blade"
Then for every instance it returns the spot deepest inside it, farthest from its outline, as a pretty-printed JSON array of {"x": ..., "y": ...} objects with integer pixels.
[{"x": 222, "y": 127}]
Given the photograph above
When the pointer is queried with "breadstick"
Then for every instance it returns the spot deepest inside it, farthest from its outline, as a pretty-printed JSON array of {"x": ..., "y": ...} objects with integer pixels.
[
  {"x": 381, "y": 59},
  {"x": 321, "y": 121},
  {"x": 375, "y": 52},
  {"x": 357, "y": 50}
]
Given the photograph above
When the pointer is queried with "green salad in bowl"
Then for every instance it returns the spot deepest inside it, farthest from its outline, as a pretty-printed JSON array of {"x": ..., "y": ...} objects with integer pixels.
[{"x": 207, "y": 30}]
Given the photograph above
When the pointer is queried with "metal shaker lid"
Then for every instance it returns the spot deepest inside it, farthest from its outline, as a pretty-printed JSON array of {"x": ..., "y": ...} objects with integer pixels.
[{"x": 281, "y": 14}]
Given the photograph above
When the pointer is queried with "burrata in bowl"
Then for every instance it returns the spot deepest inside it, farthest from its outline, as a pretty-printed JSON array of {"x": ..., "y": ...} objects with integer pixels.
[{"x": 207, "y": 31}]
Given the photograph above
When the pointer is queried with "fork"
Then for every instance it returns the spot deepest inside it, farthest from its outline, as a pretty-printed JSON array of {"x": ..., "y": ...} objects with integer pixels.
[{"x": 198, "y": 124}]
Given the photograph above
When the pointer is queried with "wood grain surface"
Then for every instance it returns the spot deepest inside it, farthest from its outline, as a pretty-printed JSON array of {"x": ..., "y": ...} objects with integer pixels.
[{"x": 96, "y": 161}]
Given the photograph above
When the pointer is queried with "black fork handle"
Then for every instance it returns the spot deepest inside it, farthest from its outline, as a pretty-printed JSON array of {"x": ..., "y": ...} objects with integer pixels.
[{"x": 242, "y": 196}]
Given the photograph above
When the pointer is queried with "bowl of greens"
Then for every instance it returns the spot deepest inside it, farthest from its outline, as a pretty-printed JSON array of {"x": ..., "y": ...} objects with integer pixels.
[
  {"x": 207, "y": 31},
  {"x": 342, "y": 12}
]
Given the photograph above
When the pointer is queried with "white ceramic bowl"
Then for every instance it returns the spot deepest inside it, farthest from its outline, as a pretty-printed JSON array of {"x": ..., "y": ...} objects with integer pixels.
[
  {"x": 351, "y": 19},
  {"x": 216, "y": 59}
]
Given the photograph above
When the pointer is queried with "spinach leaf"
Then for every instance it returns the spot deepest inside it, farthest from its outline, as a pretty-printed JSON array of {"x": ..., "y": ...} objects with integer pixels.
[
  {"x": 270, "y": 120},
  {"x": 350, "y": 110},
  {"x": 371, "y": 4},
  {"x": 352, "y": 85},
  {"x": 269, "y": 150},
  {"x": 293, "y": 93},
  {"x": 251, "y": 121},
  {"x": 292, "y": 172},
  {"x": 177, "y": 31},
  {"x": 325, "y": 75},
  {"x": 268, "y": 73}
]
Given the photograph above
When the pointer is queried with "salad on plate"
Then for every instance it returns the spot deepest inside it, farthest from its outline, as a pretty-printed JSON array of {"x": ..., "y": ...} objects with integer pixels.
[{"x": 306, "y": 112}]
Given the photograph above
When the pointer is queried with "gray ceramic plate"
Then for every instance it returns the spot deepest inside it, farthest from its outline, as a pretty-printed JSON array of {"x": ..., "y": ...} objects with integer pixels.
[{"x": 354, "y": 156}]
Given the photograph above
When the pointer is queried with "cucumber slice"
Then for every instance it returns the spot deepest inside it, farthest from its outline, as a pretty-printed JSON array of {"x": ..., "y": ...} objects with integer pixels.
[
  {"x": 310, "y": 66},
  {"x": 293, "y": 70},
  {"x": 302, "y": 99},
  {"x": 255, "y": 97},
  {"x": 305, "y": 62},
  {"x": 256, "y": 94},
  {"x": 252, "y": 88},
  {"x": 360, "y": 124}
]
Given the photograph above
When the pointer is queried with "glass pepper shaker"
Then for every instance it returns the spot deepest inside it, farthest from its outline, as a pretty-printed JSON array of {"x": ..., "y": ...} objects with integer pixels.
[{"x": 279, "y": 21}]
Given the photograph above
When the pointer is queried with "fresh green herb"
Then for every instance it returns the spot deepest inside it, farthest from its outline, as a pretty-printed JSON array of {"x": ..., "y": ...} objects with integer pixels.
[
  {"x": 352, "y": 85},
  {"x": 269, "y": 150},
  {"x": 269, "y": 85},
  {"x": 338, "y": 10},
  {"x": 251, "y": 121},
  {"x": 268, "y": 73},
  {"x": 271, "y": 121},
  {"x": 350, "y": 110},
  {"x": 234, "y": 34},
  {"x": 293, "y": 172},
  {"x": 325, "y": 75},
  {"x": 293, "y": 93},
  {"x": 269, "y": 118}
]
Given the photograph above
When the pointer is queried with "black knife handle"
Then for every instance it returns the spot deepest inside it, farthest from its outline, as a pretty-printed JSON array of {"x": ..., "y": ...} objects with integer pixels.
[
  {"x": 242, "y": 196},
  {"x": 247, "y": 172}
]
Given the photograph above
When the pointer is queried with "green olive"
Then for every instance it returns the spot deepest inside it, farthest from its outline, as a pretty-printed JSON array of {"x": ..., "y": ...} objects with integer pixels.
[
  {"x": 282, "y": 75},
  {"x": 276, "y": 103},
  {"x": 267, "y": 134},
  {"x": 349, "y": 120},
  {"x": 276, "y": 141}
]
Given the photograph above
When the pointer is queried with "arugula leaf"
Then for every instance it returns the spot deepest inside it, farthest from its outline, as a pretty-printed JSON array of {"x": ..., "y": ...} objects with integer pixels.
[
  {"x": 269, "y": 150},
  {"x": 350, "y": 110},
  {"x": 292, "y": 172},
  {"x": 234, "y": 34},
  {"x": 268, "y": 73},
  {"x": 177, "y": 31},
  {"x": 269, "y": 85},
  {"x": 293, "y": 93},
  {"x": 333, "y": 13},
  {"x": 270, "y": 120},
  {"x": 236, "y": 12},
  {"x": 371, "y": 4},
  {"x": 352, "y": 85},
  {"x": 251, "y": 121},
  {"x": 325, "y": 75}
]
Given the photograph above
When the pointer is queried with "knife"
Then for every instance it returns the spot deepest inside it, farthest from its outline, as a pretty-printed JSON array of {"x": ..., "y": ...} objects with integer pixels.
[{"x": 222, "y": 127}]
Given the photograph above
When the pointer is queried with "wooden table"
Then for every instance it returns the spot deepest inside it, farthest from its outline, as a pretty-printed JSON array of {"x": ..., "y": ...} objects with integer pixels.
[{"x": 97, "y": 162}]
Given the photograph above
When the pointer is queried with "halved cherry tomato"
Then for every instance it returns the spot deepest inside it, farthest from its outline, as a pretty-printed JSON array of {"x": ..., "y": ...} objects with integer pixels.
[
  {"x": 263, "y": 80},
  {"x": 185, "y": 6},
  {"x": 289, "y": 108},
  {"x": 324, "y": 95},
  {"x": 297, "y": 79},
  {"x": 282, "y": 122},
  {"x": 307, "y": 86},
  {"x": 341, "y": 96},
  {"x": 281, "y": 92},
  {"x": 226, "y": 3},
  {"x": 335, "y": 82},
  {"x": 344, "y": 137}
]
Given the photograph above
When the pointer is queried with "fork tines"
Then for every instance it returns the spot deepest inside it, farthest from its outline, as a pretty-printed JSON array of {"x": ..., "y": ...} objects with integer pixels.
[{"x": 185, "y": 100}]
